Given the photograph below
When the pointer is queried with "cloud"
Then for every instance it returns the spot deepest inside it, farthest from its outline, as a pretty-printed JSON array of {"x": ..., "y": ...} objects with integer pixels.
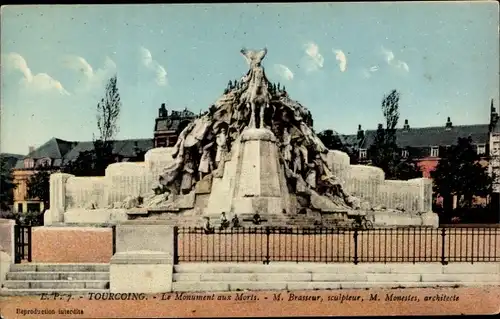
[
  {"x": 94, "y": 78},
  {"x": 148, "y": 61},
  {"x": 41, "y": 82},
  {"x": 314, "y": 59},
  {"x": 284, "y": 71},
  {"x": 340, "y": 56},
  {"x": 374, "y": 68},
  {"x": 391, "y": 60}
]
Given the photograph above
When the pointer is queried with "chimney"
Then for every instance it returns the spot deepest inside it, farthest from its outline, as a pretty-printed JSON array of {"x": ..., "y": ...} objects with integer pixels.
[
  {"x": 31, "y": 149},
  {"x": 361, "y": 133},
  {"x": 449, "y": 124},
  {"x": 406, "y": 126},
  {"x": 494, "y": 117},
  {"x": 162, "y": 112}
]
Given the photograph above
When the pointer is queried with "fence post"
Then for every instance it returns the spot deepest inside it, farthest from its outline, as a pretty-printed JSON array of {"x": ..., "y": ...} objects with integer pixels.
[
  {"x": 175, "y": 244},
  {"x": 17, "y": 244},
  {"x": 113, "y": 238},
  {"x": 268, "y": 232},
  {"x": 355, "y": 246},
  {"x": 30, "y": 242},
  {"x": 443, "y": 250}
]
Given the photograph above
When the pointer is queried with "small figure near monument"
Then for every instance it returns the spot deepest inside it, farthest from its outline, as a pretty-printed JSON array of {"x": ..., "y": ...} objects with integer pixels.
[
  {"x": 206, "y": 165},
  {"x": 207, "y": 227},
  {"x": 256, "y": 219},
  {"x": 235, "y": 221},
  {"x": 224, "y": 223}
]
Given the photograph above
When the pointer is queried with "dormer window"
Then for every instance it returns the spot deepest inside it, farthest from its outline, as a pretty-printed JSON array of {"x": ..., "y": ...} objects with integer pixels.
[
  {"x": 404, "y": 153},
  {"x": 435, "y": 151},
  {"x": 362, "y": 153},
  {"x": 481, "y": 149},
  {"x": 29, "y": 163}
]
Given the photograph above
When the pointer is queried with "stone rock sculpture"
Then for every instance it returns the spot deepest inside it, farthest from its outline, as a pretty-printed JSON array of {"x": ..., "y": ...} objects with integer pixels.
[{"x": 253, "y": 102}]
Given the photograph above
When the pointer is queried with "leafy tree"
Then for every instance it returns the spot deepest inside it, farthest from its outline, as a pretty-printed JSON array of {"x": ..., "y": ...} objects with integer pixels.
[
  {"x": 83, "y": 165},
  {"x": 384, "y": 151},
  {"x": 407, "y": 168},
  {"x": 95, "y": 161},
  {"x": 39, "y": 186},
  {"x": 7, "y": 185},
  {"x": 108, "y": 111},
  {"x": 459, "y": 173},
  {"x": 332, "y": 141}
]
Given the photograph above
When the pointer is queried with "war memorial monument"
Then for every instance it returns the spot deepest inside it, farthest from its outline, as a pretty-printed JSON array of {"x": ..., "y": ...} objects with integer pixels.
[{"x": 253, "y": 152}]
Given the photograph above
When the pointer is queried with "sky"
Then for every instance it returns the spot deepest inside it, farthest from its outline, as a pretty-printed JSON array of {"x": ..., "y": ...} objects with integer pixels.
[{"x": 338, "y": 60}]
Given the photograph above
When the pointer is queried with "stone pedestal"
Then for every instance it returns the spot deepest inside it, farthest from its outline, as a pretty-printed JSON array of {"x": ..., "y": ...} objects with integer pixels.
[
  {"x": 141, "y": 272},
  {"x": 57, "y": 199},
  {"x": 132, "y": 236},
  {"x": 143, "y": 262},
  {"x": 257, "y": 186}
]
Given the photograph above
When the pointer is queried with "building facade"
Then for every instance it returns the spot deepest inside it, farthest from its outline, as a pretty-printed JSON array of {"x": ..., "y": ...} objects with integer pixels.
[
  {"x": 427, "y": 144},
  {"x": 55, "y": 153}
]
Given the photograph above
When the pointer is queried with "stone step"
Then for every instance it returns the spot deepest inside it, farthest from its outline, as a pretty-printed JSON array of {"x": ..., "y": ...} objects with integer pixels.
[
  {"x": 46, "y": 267},
  {"x": 56, "y": 284},
  {"x": 62, "y": 292},
  {"x": 39, "y": 275},
  {"x": 196, "y": 286}
]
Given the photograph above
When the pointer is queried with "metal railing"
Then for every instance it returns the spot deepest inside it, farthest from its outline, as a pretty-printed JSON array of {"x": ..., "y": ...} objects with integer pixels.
[
  {"x": 329, "y": 245},
  {"x": 22, "y": 243}
]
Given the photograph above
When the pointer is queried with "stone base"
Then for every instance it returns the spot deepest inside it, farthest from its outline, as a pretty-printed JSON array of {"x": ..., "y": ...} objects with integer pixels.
[
  {"x": 95, "y": 216},
  {"x": 141, "y": 272}
]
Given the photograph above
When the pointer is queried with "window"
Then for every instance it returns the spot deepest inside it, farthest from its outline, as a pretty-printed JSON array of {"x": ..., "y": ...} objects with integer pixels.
[
  {"x": 362, "y": 153},
  {"x": 481, "y": 149},
  {"x": 404, "y": 153},
  {"x": 496, "y": 148},
  {"x": 45, "y": 161},
  {"x": 29, "y": 163},
  {"x": 20, "y": 208},
  {"x": 33, "y": 207},
  {"x": 435, "y": 151}
]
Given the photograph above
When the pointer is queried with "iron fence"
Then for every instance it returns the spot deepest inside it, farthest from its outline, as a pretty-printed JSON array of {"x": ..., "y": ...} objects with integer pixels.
[
  {"x": 329, "y": 245},
  {"x": 22, "y": 243}
]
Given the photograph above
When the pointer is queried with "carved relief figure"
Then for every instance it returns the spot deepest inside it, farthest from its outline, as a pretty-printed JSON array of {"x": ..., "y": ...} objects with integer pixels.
[
  {"x": 221, "y": 141},
  {"x": 287, "y": 147},
  {"x": 206, "y": 165},
  {"x": 297, "y": 161}
]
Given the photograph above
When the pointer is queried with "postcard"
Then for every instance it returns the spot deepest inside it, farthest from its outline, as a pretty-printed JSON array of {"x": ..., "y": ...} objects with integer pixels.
[{"x": 238, "y": 160}]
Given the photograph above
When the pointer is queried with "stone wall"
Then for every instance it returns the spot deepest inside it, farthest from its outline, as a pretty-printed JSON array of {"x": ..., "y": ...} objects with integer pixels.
[
  {"x": 7, "y": 236},
  {"x": 364, "y": 182},
  {"x": 127, "y": 179},
  {"x": 72, "y": 245},
  {"x": 90, "y": 199},
  {"x": 339, "y": 163},
  {"x": 85, "y": 192},
  {"x": 7, "y": 250}
]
